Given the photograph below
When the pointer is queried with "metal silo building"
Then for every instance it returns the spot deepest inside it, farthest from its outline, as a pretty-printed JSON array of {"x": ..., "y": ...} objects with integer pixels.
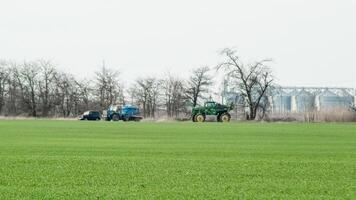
[
  {"x": 281, "y": 101},
  {"x": 305, "y": 101}
]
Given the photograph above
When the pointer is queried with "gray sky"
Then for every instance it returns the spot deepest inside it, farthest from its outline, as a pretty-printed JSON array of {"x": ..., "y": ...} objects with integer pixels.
[{"x": 313, "y": 43}]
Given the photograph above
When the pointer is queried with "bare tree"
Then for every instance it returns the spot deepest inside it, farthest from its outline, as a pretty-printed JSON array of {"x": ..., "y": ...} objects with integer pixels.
[
  {"x": 174, "y": 97},
  {"x": 252, "y": 80},
  {"x": 147, "y": 91},
  {"x": 198, "y": 84},
  {"x": 132, "y": 93},
  {"x": 4, "y": 77},
  {"x": 67, "y": 93},
  {"x": 46, "y": 86},
  {"x": 14, "y": 102},
  {"x": 85, "y": 94},
  {"x": 108, "y": 87},
  {"x": 27, "y": 77}
]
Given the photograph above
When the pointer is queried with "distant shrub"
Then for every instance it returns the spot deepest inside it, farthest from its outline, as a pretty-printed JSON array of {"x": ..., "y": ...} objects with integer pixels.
[{"x": 325, "y": 115}]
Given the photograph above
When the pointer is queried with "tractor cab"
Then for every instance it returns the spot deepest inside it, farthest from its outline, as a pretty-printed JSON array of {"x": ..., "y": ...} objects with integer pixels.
[
  {"x": 112, "y": 110},
  {"x": 209, "y": 104}
]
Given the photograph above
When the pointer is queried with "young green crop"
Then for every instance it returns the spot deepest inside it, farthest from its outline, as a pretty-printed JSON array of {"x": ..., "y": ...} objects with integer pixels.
[{"x": 45, "y": 159}]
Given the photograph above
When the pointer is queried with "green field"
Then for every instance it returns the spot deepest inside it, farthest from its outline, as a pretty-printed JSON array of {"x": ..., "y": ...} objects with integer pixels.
[{"x": 48, "y": 159}]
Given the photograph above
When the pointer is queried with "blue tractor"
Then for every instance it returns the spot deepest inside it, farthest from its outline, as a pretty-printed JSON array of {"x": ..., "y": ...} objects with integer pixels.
[{"x": 125, "y": 113}]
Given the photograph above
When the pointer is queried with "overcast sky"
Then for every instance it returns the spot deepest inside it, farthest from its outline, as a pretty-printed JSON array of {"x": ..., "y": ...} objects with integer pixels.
[{"x": 312, "y": 43}]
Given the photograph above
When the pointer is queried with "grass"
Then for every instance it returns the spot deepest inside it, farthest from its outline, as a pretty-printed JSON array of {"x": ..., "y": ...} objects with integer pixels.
[{"x": 42, "y": 159}]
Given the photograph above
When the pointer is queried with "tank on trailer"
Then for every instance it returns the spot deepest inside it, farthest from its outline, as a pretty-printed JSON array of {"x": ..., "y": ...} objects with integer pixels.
[{"x": 125, "y": 113}]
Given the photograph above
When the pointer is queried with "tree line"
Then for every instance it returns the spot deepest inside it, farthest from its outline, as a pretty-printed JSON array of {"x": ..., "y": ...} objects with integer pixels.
[{"x": 39, "y": 89}]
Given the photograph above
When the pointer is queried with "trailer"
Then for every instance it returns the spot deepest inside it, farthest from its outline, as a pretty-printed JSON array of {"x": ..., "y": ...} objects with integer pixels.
[{"x": 124, "y": 113}]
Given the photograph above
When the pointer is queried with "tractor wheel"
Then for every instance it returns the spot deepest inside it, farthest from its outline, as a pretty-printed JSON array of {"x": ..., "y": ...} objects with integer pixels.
[
  {"x": 115, "y": 118},
  {"x": 193, "y": 118},
  {"x": 225, "y": 117},
  {"x": 199, "y": 118},
  {"x": 218, "y": 118}
]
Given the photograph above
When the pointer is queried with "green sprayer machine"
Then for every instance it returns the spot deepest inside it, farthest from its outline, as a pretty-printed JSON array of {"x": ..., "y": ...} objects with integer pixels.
[{"x": 221, "y": 112}]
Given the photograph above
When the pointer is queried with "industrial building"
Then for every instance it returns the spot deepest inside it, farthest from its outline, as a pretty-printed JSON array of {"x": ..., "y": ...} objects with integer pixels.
[{"x": 300, "y": 99}]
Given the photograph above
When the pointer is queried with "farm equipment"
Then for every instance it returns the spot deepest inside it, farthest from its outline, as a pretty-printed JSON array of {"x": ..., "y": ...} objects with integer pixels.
[
  {"x": 125, "y": 113},
  {"x": 221, "y": 112}
]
